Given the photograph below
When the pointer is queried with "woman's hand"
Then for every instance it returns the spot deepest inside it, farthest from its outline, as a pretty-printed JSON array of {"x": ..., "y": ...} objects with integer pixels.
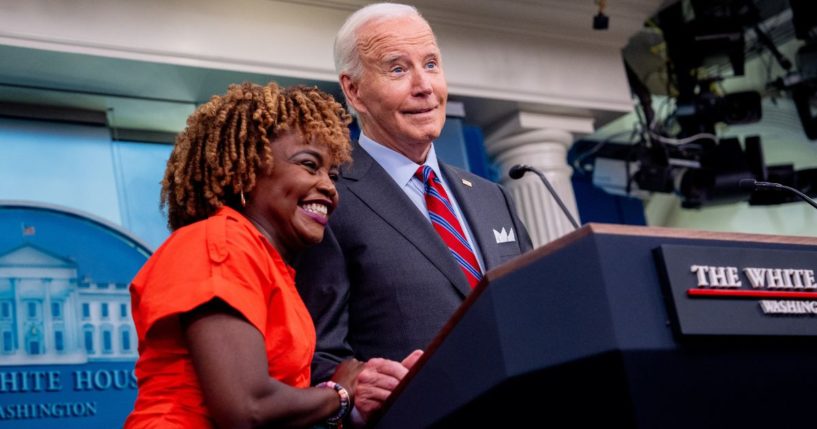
[{"x": 346, "y": 374}]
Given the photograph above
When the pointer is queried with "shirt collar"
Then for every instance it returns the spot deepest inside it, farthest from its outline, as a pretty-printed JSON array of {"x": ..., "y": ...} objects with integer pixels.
[{"x": 398, "y": 166}]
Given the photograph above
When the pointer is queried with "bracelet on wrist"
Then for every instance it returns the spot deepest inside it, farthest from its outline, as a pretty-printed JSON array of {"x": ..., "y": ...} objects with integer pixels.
[{"x": 345, "y": 402}]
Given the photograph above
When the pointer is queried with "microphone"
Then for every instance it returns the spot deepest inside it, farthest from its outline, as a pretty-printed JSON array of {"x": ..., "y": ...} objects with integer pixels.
[
  {"x": 754, "y": 185},
  {"x": 519, "y": 170}
]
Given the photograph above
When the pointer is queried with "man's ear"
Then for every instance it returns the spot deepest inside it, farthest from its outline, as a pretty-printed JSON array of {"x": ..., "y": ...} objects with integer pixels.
[{"x": 350, "y": 90}]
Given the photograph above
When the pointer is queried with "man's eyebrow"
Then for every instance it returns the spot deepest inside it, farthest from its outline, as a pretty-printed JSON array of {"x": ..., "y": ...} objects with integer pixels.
[{"x": 392, "y": 57}]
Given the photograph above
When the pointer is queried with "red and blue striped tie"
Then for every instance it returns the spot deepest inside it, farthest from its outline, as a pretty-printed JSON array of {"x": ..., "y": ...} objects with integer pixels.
[{"x": 445, "y": 223}]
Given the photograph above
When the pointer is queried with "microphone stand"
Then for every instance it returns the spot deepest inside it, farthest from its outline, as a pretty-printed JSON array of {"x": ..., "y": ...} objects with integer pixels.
[{"x": 517, "y": 171}]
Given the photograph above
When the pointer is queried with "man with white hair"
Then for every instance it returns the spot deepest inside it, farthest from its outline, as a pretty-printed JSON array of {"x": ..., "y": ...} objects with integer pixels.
[{"x": 411, "y": 236}]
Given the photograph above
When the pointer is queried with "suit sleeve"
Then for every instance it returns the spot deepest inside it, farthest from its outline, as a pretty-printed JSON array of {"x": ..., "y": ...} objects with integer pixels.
[
  {"x": 523, "y": 238},
  {"x": 323, "y": 283}
]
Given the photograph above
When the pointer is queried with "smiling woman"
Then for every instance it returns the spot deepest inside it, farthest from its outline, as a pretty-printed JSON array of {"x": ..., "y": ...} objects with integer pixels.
[
  {"x": 224, "y": 338},
  {"x": 292, "y": 203}
]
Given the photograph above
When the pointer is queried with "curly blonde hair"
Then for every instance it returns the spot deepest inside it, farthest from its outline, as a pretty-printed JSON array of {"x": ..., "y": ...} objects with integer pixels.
[{"x": 226, "y": 145}]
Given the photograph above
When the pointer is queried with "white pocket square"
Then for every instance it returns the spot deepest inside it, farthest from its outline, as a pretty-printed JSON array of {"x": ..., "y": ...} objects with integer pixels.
[{"x": 504, "y": 236}]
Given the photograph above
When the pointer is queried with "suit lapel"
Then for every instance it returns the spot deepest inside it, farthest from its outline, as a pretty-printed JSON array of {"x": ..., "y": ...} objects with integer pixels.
[
  {"x": 471, "y": 205},
  {"x": 365, "y": 178}
]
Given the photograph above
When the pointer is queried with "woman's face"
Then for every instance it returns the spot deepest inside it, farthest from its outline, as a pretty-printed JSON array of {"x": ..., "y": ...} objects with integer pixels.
[{"x": 293, "y": 203}]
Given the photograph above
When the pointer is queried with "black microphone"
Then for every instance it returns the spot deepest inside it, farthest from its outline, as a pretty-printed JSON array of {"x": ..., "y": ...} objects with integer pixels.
[
  {"x": 519, "y": 170},
  {"x": 753, "y": 185}
]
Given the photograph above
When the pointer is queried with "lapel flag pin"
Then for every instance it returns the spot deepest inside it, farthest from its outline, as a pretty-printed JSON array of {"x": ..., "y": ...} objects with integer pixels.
[
  {"x": 28, "y": 230},
  {"x": 466, "y": 183}
]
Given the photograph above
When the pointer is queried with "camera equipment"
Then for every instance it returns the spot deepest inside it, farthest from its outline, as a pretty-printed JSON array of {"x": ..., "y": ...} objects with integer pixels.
[{"x": 681, "y": 152}]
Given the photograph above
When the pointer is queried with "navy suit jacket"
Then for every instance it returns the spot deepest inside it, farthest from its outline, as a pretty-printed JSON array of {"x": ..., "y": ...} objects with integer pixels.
[{"x": 382, "y": 283}]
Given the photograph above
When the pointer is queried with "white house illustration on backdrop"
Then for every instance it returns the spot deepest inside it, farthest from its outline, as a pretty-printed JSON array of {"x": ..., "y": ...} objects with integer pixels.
[{"x": 49, "y": 316}]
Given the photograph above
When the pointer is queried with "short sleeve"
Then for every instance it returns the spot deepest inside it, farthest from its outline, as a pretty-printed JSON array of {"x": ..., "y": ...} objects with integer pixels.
[{"x": 221, "y": 257}]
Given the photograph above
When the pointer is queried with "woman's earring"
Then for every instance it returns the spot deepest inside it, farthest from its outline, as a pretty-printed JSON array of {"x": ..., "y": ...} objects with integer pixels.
[{"x": 243, "y": 201}]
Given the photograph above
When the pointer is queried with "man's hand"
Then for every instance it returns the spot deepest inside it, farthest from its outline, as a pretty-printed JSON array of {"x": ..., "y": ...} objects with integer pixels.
[{"x": 378, "y": 379}]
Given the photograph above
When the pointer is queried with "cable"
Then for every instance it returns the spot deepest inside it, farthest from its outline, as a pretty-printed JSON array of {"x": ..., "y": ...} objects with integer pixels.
[
  {"x": 685, "y": 140},
  {"x": 581, "y": 157}
]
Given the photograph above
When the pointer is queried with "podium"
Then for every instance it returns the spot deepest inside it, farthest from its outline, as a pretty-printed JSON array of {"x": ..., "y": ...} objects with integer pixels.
[{"x": 605, "y": 326}]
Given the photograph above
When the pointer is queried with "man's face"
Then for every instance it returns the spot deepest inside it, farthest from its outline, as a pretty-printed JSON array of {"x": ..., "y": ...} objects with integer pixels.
[{"x": 400, "y": 96}]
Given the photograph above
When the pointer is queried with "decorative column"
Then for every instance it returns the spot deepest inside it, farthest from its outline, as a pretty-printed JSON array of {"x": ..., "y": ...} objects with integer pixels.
[{"x": 540, "y": 141}]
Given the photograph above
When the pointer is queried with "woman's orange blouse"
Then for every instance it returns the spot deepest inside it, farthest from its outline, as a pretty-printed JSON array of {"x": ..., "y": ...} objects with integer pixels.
[{"x": 222, "y": 257}]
